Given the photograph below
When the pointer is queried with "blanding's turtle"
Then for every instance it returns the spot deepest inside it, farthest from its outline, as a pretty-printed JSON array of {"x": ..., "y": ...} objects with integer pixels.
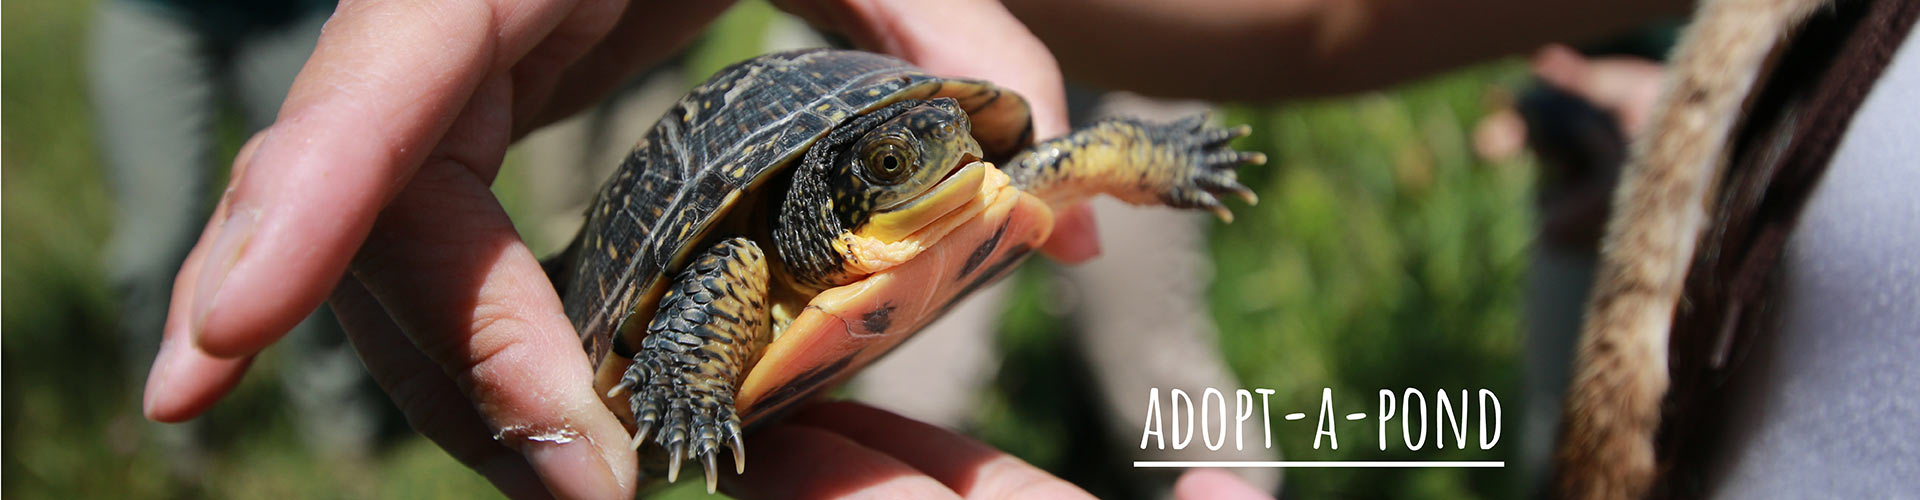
[{"x": 801, "y": 213}]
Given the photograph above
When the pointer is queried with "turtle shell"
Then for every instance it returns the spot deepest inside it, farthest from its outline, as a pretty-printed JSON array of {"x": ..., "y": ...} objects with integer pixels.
[{"x": 716, "y": 147}]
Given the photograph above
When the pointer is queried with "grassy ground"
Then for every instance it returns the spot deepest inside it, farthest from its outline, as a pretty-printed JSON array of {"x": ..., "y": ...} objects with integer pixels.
[{"x": 1384, "y": 255}]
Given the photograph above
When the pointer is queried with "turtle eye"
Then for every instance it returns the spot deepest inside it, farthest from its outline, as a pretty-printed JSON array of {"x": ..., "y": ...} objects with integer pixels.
[{"x": 888, "y": 162}]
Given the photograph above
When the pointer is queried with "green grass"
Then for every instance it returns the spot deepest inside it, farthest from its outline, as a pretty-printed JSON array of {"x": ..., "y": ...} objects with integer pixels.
[{"x": 1383, "y": 255}]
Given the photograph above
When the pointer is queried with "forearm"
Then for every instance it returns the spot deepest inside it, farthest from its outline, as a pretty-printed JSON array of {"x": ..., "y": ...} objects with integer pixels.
[{"x": 1274, "y": 49}]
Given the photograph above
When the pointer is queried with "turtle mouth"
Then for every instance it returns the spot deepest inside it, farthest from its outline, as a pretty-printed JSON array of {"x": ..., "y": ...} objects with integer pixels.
[
  {"x": 900, "y": 220},
  {"x": 896, "y": 236}
]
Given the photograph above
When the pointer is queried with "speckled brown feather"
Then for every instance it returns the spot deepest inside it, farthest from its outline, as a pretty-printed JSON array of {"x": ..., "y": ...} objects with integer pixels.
[{"x": 1620, "y": 374}]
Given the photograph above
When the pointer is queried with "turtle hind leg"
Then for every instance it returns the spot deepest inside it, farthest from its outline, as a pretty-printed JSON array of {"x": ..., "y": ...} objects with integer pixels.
[
  {"x": 1184, "y": 164},
  {"x": 711, "y": 326}
]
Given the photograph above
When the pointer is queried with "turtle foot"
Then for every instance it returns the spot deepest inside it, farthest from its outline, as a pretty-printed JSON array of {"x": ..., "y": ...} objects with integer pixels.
[
  {"x": 687, "y": 418},
  {"x": 1204, "y": 165},
  {"x": 709, "y": 326}
]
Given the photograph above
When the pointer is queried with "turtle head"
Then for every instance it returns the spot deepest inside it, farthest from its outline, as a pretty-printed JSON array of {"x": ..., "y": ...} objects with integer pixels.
[
  {"x": 878, "y": 191},
  {"x": 892, "y": 218},
  {"x": 908, "y": 171}
]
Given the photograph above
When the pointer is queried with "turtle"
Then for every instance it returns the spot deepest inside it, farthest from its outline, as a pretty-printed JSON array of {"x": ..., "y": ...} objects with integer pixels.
[{"x": 801, "y": 213}]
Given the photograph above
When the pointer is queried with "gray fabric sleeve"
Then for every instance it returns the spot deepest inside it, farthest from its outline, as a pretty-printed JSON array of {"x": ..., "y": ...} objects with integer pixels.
[{"x": 1828, "y": 403}]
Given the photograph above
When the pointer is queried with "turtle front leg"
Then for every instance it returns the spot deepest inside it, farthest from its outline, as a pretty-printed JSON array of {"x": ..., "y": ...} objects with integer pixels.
[
  {"x": 1184, "y": 164},
  {"x": 711, "y": 326}
]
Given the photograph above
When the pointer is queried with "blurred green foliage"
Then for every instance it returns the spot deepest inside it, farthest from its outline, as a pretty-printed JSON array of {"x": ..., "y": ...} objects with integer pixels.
[
  {"x": 1390, "y": 257},
  {"x": 1384, "y": 254}
]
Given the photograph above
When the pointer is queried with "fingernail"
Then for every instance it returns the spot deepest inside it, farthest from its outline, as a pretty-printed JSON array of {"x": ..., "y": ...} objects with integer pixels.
[
  {"x": 156, "y": 376},
  {"x": 571, "y": 468},
  {"x": 233, "y": 235},
  {"x": 244, "y": 159}
]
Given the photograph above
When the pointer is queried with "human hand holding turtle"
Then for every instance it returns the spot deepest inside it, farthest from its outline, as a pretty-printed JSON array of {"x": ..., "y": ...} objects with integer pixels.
[
  {"x": 801, "y": 213},
  {"x": 371, "y": 191}
]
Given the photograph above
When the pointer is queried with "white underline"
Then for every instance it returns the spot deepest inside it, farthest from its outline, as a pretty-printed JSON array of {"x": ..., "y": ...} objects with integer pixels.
[{"x": 1318, "y": 464}]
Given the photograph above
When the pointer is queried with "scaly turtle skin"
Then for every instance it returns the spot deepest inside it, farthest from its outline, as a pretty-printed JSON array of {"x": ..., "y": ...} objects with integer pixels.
[{"x": 802, "y": 213}]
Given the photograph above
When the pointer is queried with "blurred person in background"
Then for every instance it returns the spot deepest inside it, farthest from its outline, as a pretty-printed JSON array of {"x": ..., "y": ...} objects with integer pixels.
[
  {"x": 165, "y": 74},
  {"x": 1826, "y": 326},
  {"x": 1307, "y": 49}
]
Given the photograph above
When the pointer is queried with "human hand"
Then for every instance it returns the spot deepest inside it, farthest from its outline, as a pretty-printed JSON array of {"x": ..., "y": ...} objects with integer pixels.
[
  {"x": 844, "y": 449},
  {"x": 1577, "y": 198},
  {"x": 1625, "y": 87},
  {"x": 1578, "y": 129},
  {"x": 375, "y": 178},
  {"x": 371, "y": 188}
]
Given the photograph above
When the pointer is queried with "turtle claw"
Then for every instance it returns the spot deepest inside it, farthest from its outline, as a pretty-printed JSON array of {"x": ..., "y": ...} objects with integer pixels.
[
  {"x": 673, "y": 464},
  {"x": 739, "y": 453},
  {"x": 713, "y": 474},
  {"x": 640, "y": 439},
  {"x": 1221, "y": 212}
]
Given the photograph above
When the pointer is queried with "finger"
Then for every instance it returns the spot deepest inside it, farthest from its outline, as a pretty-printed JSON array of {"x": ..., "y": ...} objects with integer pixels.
[
  {"x": 646, "y": 34},
  {"x": 432, "y": 403},
  {"x": 806, "y": 462},
  {"x": 1560, "y": 66},
  {"x": 445, "y": 261},
  {"x": 997, "y": 47},
  {"x": 1210, "y": 484},
  {"x": 384, "y": 83},
  {"x": 184, "y": 381},
  {"x": 970, "y": 468},
  {"x": 1075, "y": 237},
  {"x": 535, "y": 76}
]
